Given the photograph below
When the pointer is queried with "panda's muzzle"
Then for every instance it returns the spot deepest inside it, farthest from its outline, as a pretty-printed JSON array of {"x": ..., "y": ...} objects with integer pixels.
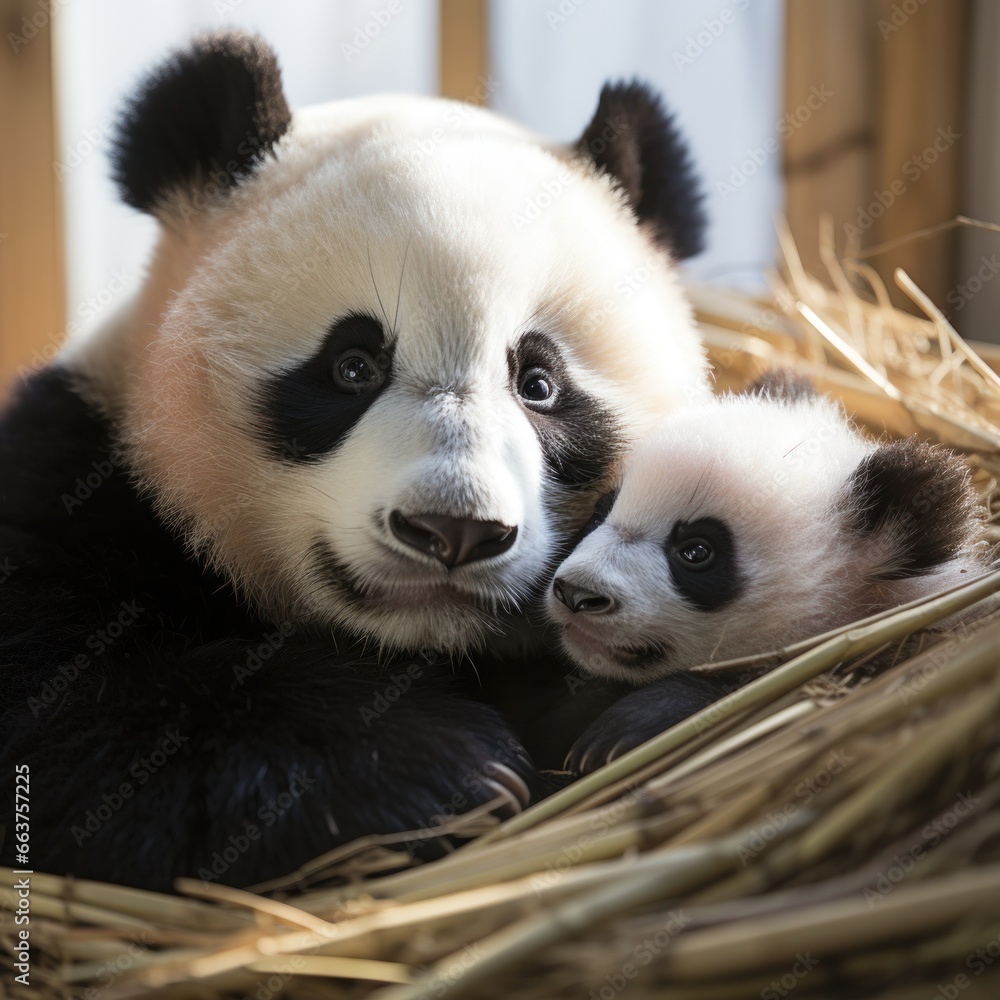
[{"x": 453, "y": 541}]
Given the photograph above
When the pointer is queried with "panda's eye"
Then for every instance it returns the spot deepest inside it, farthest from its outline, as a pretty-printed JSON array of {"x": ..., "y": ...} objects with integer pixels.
[
  {"x": 538, "y": 388},
  {"x": 357, "y": 371},
  {"x": 696, "y": 553},
  {"x": 702, "y": 559}
]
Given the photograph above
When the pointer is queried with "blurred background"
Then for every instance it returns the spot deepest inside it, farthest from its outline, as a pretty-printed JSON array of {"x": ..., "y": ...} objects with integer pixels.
[{"x": 877, "y": 113}]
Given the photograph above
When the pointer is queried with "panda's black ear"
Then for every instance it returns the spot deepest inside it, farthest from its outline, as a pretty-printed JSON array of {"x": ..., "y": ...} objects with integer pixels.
[
  {"x": 200, "y": 122},
  {"x": 635, "y": 140},
  {"x": 781, "y": 383},
  {"x": 913, "y": 504}
]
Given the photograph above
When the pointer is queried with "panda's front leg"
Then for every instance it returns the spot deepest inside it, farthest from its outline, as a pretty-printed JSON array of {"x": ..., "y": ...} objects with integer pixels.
[
  {"x": 189, "y": 767},
  {"x": 640, "y": 715}
]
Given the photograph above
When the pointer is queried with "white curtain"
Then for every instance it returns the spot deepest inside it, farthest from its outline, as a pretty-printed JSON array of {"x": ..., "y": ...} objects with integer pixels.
[
  {"x": 718, "y": 65},
  {"x": 104, "y": 46}
]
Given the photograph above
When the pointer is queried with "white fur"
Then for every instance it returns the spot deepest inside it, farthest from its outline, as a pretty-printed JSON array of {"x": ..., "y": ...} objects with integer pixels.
[
  {"x": 771, "y": 470},
  {"x": 411, "y": 210}
]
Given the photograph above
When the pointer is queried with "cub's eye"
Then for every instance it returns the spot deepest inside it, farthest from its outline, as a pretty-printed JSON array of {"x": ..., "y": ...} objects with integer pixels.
[
  {"x": 696, "y": 553},
  {"x": 703, "y": 563},
  {"x": 357, "y": 371},
  {"x": 537, "y": 386}
]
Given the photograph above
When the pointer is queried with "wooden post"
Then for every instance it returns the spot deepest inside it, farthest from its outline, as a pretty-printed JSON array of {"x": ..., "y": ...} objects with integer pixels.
[
  {"x": 464, "y": 54},
  {"x": 32, "y": 270}
]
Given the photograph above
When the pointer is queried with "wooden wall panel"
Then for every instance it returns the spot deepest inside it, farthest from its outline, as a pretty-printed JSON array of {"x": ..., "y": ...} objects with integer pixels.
[{"x": 894, "y": 70}]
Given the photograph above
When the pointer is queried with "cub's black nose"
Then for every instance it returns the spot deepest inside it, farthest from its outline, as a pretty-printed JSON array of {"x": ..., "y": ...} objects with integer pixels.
[
  {"x": 579, "y": 600},
  {"x": 453, "y": 541}
]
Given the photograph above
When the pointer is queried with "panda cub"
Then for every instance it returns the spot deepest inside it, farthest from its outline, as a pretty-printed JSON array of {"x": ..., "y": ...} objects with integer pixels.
[
  {"x": 744, "y": 524},
  {"x": 271, "y": 531}
]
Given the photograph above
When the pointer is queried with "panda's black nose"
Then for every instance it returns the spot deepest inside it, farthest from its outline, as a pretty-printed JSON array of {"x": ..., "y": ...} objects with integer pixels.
[
  {"x": 454, "y": 541},
  {"x": 579, "y": 600}
]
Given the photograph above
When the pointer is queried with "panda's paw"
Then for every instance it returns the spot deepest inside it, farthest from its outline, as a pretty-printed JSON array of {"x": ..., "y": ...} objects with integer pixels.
[
  {"x": 638, "y": 717},
  {"x": 469, "y": 765}
]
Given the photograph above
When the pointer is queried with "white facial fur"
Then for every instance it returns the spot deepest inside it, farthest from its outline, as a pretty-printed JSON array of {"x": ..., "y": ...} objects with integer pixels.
[
  {"x": 771, "y": 471},
  {"x": 410, "y": 211}
]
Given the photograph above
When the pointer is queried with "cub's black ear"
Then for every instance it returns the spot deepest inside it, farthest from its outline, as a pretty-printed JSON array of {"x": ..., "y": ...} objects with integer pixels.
[
  {"x": 912, "y": 503},
  {"x": 781, "y": 383},
  {"x": 632, "y": 138},
  {"x": 200, "y": 122}
]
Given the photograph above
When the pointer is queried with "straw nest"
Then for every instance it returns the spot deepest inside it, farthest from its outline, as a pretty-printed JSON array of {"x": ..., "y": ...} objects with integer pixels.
[{"x": 838, "y": 837}]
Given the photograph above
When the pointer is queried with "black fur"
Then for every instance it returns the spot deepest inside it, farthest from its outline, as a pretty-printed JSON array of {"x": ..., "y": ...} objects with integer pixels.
[
  {"x": 635, "y": 140},
  {"x": 579, "y": 435},
  {"x": 304, "y": 414},
  {"x": 201, "y": 121},
  {"x": 643, "y": 714},
  {"x": 918, "y": 496},
  {"x": 171, "y": 729},
  {"x": 782, "y": 383}
]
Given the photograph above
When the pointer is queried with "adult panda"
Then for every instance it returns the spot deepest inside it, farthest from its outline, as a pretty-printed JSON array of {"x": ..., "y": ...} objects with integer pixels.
[{"x": 382, "y": 360}]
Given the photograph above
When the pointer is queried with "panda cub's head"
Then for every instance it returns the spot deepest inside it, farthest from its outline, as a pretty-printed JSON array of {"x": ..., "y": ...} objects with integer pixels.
[
  {"x": 388, "y": 348},
  {"x": 752, "y": 521}
]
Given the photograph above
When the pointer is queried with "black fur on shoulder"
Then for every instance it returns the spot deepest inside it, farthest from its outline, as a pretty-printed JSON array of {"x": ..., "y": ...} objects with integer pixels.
[
  {"x": 781, "y": 383},
  {"x": 633, "y": 138},
  {"x": 917, "y": 499},
  {"x": 202, "y": 120},
  {"x": 172, "y": 728}
]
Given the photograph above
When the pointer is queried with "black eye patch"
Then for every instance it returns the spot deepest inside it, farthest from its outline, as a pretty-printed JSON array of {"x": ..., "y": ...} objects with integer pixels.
[
  {"x": 308, "y": 410},
  {"x": 578, "y": 433},
  {"x": 702, "y": 560}
]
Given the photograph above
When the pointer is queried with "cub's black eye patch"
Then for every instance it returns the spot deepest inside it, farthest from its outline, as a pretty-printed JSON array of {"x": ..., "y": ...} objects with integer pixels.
[
  {"x": 701, "y": 556},
  {"x": 309, "y": 409},
  {"x": 579, "y": 435}
]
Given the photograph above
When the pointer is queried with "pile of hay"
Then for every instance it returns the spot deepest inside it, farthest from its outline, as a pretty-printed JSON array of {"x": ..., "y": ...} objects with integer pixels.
[{"x": 831, "y": 839}]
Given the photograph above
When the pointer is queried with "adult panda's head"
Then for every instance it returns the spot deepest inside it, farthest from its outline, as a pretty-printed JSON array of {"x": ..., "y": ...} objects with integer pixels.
[
  {"x": 753, "y": 521},
  {"x": 388, "y": 348}
]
